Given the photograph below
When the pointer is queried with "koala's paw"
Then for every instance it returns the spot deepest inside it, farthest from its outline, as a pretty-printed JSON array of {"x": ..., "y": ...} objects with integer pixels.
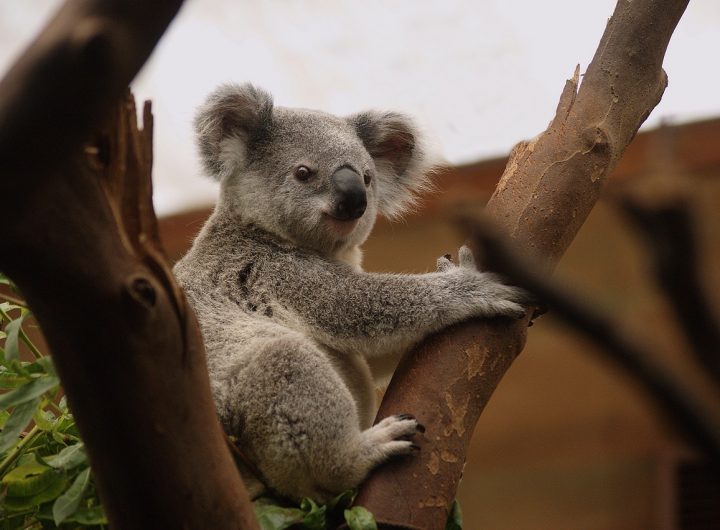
[
  {"x": 393, "y": 435},
  {"x": 487, "y": 291},
  {"x": 465, "y": 258}
]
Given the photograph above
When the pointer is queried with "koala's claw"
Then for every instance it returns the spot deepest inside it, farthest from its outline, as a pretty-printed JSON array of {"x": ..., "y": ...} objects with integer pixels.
[
  {"x": 466, "y": 258},
  {"x": 419, "y": 427},
  {"x": 393, "y": 435},
  {"x": 444, "y": 263}
]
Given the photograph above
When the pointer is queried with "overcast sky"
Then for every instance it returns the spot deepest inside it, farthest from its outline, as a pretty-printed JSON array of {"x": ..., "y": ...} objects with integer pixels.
[{"x": 480, "y": 76}]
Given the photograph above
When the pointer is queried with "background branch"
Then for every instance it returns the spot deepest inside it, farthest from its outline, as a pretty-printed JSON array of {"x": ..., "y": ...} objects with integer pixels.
[
  {"x": 673, "y": 400},
  {"x": 665, "y": 221},
  {"x": 547, "y": 190}
]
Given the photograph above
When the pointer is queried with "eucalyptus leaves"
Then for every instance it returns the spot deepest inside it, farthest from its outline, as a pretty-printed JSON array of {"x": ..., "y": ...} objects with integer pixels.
[
  {"x": 45, "y": 478},
  {"x": 274, "y": 515}
]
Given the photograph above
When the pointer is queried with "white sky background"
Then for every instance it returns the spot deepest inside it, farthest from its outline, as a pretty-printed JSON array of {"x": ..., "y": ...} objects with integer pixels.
[{"x": 480, "y": 76}]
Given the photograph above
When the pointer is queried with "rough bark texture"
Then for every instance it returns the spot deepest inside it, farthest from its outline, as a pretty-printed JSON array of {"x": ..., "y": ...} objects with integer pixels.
[
  {"x": 80, "y": 240},
  {"x": 549, "y": 187}
]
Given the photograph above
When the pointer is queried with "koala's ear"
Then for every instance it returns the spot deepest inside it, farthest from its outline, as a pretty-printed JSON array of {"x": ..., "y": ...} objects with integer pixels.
[
  {"x": 232, "y": 121},
  {"x": 401, "y": 159}
]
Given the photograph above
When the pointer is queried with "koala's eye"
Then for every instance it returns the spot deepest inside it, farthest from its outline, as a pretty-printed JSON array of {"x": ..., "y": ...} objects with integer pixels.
[
  {"x": 367, "y": 177},
  {"x": 302, "y": 173}
]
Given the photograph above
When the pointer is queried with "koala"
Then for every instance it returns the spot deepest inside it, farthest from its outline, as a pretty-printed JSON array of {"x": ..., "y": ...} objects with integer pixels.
[{"x": 293, "y": 327}]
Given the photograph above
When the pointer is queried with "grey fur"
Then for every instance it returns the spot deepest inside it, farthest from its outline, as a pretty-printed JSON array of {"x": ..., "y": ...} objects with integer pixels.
[{"x": 291, "y": 323}]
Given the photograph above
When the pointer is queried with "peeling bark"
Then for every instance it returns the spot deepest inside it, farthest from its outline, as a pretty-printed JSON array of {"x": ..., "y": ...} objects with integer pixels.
[{"x": 549, "y": 187}]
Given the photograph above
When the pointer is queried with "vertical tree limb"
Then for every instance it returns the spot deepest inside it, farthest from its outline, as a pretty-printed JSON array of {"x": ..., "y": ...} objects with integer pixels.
[
  {"x": 81, "y": 243},
  {"x": 549, "y": 187}
]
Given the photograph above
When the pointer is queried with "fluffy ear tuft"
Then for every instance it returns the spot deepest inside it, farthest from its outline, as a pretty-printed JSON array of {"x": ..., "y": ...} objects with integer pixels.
[
  {"x": 401, "y": 158},
  {"x": 232, "y": 121}
]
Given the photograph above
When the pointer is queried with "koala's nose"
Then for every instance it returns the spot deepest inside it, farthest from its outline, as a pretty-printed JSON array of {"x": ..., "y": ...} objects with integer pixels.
[{"x": 349, "y": 193}]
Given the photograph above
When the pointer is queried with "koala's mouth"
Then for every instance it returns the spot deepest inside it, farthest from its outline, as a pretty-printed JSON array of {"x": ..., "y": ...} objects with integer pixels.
[{"x": 340, "y": 226}]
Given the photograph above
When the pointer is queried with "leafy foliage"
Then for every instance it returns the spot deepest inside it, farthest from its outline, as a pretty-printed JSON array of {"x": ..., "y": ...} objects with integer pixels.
[
  {"x": 45, "y": 478},
  {"x": 273, "y": 514}
]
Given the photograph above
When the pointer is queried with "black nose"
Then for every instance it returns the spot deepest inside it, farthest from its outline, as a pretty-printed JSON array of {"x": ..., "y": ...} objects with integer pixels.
[{"x": 349, "y": 199}]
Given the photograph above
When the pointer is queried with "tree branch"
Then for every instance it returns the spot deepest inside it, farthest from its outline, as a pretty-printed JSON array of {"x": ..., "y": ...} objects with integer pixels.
[
  {"x": 547, "y": 190},
  {"x": 82, "y": 246}
]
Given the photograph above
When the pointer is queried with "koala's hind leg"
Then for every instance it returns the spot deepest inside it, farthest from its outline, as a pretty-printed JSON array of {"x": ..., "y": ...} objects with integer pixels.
[{"x": 301, "y": 424}]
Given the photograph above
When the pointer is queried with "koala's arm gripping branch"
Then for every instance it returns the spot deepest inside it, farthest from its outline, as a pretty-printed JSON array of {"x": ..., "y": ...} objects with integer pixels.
[
  {"x": 80, "y": 241},
  {"x": 544, "y": 196},
  {"x": 401, "y": 311}
]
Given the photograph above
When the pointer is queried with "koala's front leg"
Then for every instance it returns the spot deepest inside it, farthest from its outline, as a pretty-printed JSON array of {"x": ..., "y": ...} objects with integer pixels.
[{"x": 375, "y": 314}]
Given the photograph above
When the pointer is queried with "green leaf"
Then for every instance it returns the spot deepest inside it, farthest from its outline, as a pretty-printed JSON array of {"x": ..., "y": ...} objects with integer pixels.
[
  {"x": 56, "y": 484},
  {"x": 12, "y": 341},
  {"x": 26, "y": 458},
  {"x": 316, "y": 519},
  {"x": 273, "y": 517},
  {"x": 4, "y": 415},
  {"x": 68, "y": 458},
  {"x": 44, "y": 419},
  {"x": 454, "y": 520},
  {"x": 315, "y": 516},
  {"x": 7, "y": 306},
  {"x": 28, "y": 479},
  {"x": 66, "y": 504},
  {"x": 89, "y": 513},
  {"x": 18, "y": 420},
  {"x": 31, "y": 390},
  {"x": 342, "y": 501},
  {"x": 47, "y": 365},
  {"x": 65, "y": 431},
  {"x": 10, "y": 379},
  {"x": 358, "y": 518}
]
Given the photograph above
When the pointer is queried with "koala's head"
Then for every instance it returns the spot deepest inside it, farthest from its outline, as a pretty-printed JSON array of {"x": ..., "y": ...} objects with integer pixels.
[{"x": 315, "y": 179}]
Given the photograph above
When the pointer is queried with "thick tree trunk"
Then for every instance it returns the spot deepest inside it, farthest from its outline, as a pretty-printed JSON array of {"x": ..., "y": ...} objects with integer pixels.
[
  {"x": 549, "y": 187},
  {"x": 80, "y": 241}
]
